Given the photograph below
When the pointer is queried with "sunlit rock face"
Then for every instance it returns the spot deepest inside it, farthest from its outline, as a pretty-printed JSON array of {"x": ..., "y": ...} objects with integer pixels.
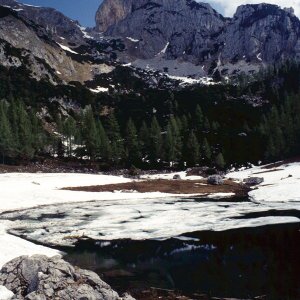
[
  {"x": 178, "y": 28},
  {"x": 261, "y": 32},
  {"x": 186, "y": 30}
]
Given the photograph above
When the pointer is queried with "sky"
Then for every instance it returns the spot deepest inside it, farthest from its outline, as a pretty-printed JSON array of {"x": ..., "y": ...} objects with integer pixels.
[{"x": 84, "y": 10}]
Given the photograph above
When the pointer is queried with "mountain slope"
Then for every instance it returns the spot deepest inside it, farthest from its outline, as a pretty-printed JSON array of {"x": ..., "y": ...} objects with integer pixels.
[
  {"x": 46, "y": 55},
  {"x": 159, "y": 32}
]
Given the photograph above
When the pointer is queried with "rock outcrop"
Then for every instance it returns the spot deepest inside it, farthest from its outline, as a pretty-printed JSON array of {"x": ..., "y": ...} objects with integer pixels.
[
  {"x": 56, "y": 24},
  {"x": 176, "y": 28},
  {"x": 187, "y": 30},
  {"x": 42, "y": 278},
  {"x": 215, "y": 180},
  {"x": 262, "y": 33},
  {"x": 25, "y": 43},
  {"x": 253, "y": 181},
  {"x": 111, "y": 12}
]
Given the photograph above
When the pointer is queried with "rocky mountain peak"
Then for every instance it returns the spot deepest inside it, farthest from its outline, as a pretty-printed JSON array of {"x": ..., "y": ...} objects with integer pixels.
[
  {"x": 111, "y": 12},
  {"x": 173, "y": 28}
]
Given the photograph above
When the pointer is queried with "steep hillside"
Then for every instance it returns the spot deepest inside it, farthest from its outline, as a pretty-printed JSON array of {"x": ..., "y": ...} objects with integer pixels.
[{"x": 175, "y": 36}]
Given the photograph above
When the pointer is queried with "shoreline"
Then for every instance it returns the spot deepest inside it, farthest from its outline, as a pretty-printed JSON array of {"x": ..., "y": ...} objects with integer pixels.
[{"x": 39, "y": 190}]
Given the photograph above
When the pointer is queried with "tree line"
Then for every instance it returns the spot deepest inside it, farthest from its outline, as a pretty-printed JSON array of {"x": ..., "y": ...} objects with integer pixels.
[
  {"x": 21, "y": 132},
  {"x": 181, "y": 142}
]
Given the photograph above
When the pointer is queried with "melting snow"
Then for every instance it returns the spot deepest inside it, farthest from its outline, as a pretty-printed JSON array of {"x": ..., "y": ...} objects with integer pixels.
[
  {"x": 134, "y": 215},
  {"x": 259, "y": 57},
  {"x": 5, "y": 294},
  {"x": 164, "y": 50},
  {"x": 67, "y": 48},
  {"x": 187, "y": 80},
  {"x": 85, "y": 34},
  {"x": 281, "y": 184},
  {"x": 132, "y": 39},
  {"x": 100, "y": 89}
]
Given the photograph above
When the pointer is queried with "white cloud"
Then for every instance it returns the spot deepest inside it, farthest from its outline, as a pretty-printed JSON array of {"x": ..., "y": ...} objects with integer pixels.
[{"x": 229, "y": 6}]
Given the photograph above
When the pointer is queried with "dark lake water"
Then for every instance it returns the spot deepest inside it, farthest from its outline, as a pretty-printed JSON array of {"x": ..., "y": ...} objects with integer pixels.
[
  {"x": 241, "y": 263},
  {"x": 222, "y": 248}
]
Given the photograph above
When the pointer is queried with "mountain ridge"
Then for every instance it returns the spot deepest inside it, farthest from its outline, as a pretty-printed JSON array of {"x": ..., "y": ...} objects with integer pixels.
[{"x": 194, "y": 32}]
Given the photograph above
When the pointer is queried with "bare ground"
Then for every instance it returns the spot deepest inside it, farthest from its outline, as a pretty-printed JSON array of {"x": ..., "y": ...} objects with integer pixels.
[{"x": 169, "y": 187}]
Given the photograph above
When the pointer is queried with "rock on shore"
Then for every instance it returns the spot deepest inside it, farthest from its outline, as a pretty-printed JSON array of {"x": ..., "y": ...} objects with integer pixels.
[{"x": 42, "y": 278}]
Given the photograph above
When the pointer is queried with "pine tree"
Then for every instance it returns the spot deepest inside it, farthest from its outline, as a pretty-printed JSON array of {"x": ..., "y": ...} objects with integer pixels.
[
  {"x": 90, "y": 135},
  {"x": 25, "y": 133},
  {"x": 132, "y": 145},
  {"x": 192, "y": 150},
  {"x": 215, "y": 126},
  {"x": 14, "y": 121},
  {"x": 6, "y": 138},
  {"x": 206, "y": 150},
  {"x": 69, "y": 131},
  {"x": 103, "y": 145},
  {"x": 39, "y": 138},
  {"x": 219, "y": 161},
  {"x": 177, "y": 138},
  {"x": 114, "y": 135},
  {"x": 206, "y": 125},
  {"x": 199, "y": 120},
  {"x": 155, "y": 140},
  {"x": 169, "y": 145},
  {"x": 144, "y": 139}
]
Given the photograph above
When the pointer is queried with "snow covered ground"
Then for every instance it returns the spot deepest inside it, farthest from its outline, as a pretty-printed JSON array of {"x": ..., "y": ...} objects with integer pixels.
[
  {"x": 281, "y": 184},
  {"x": 133, "y": 215},
  {"x": 20, "y": 191}
]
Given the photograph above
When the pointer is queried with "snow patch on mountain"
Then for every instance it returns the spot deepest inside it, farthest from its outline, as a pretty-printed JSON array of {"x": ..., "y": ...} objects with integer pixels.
[{"x": 67, "y": 48}]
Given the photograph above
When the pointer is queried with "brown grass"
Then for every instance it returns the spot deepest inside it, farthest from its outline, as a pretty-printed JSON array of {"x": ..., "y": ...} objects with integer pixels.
[{"x": 168, "y": 186}]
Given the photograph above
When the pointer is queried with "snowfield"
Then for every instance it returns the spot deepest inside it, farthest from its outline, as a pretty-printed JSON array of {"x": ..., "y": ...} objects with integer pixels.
[
  {"x": 281, "y": 184},
  {"x": 21, "y": 191}
]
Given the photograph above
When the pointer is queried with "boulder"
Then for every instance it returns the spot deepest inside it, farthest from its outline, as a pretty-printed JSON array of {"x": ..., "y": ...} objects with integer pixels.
[
  {"x": 254, "y": 180},
  {"x": 215, "y": 180},
  {"x": 42, "y": 278},
  {"x": 177, "y": 177}
]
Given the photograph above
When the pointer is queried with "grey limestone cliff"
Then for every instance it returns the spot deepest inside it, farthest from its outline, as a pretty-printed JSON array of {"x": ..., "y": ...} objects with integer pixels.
[{"x": 187, "y": 30}]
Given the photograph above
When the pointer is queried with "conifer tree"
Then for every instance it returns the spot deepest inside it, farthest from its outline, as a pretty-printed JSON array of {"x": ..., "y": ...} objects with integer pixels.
[
  {"x": 144, "y": 139},
  {"x": 199, "y": 120},
  {"x": 206, "y": 124},
  {"x": 192, "y": 150},
  {"x": 155, "y": 140},
  {"x": 114, "y": 135},
  {"x": 90, "y": 136},
  {"x": 69, "y": 131},
  {"x": 104, "y": 147},
  {"x": 169, "y": 145},
  {"x": 206, "y": 150},
  {"x": 219, "y": 161},
  {"x": 25, "y": 133},
  {"x": 6, "y": 139},
  {"x": 132, "y": 145}
]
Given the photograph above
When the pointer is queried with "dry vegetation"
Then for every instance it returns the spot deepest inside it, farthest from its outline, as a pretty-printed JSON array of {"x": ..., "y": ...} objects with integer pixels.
[{"x": 169, "y": 186}]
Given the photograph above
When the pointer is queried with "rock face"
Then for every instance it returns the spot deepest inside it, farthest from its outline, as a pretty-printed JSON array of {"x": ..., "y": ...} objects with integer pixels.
[
  {"x": 111, "y": 12},
  {"x": 187, "y": 30},
  {"x": 177, "y": 28},
  {"x": 261, "y": 32},
  {"x": 56, "y": 24},
  {"x": 42, "y": 278},
  {"x": 26, "y": 43}
]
